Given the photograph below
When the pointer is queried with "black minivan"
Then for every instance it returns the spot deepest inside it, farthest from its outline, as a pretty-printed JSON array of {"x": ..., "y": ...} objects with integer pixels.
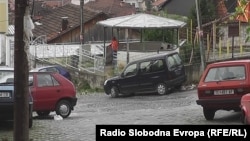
[{"x": 159, "y": 73}]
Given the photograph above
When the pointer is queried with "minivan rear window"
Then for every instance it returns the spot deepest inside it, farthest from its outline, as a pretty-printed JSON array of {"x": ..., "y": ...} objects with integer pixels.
[{"x": 226, "y": 73}]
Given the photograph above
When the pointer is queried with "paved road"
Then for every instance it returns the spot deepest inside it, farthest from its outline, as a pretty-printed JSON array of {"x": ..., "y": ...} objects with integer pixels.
[{"x": 176, "y": 108}]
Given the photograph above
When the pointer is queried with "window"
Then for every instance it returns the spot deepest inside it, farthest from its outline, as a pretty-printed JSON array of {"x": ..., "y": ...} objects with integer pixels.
[
  {"x": 145, "y": 67},
  {"x": 173, "y": 61},
  {"x": 45, "y": 80},
  {"x": 151, "y": 66},
  {"x": 226, "y": 73},
  {"x": 177, "y": 59},
  {"x": 130, "y": 70},
  {"x": 56, "y": 83},
  {"x": 157, "y": 65}
]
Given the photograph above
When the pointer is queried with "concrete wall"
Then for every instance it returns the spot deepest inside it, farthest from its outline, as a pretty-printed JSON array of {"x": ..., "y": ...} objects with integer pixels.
[{"x": 193, "y": 73}]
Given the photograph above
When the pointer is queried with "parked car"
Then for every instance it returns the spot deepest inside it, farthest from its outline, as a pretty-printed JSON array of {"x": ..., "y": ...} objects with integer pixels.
[
  {"x": 159, "y": 73},
  {"x": 50, "y": 92},
  {"x": 54, "y": 68},
  {"x": 7, "y": 97},
  {"x": 245, "y": 109},
  {"x": 222, "y": 86}
]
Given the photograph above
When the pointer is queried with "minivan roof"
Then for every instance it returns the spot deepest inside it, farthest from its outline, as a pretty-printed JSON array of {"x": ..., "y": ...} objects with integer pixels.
[{"x": 155, "y": 56}]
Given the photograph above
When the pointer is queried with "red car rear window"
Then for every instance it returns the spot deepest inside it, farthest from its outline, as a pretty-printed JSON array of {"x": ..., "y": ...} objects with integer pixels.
[{"x": 226, "y": 73}]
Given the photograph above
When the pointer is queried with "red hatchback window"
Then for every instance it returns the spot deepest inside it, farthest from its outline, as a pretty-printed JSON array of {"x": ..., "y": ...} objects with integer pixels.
[{"x": 46, "y": 80}]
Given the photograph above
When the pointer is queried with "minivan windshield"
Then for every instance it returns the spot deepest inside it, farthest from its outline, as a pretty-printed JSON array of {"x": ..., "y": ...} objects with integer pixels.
[
  {"x": 226, "y": 73},
  {"x": 173, "y": 60}
]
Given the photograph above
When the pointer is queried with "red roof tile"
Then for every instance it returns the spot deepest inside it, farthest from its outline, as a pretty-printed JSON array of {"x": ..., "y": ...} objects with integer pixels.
[
  {"x": 159, "y": 2},
  {"x": 113, "y": 8}
]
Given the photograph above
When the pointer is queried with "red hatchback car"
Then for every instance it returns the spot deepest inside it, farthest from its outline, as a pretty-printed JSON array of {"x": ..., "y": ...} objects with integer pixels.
[
  {"x": 222, "y": 85},
  {"x": 52, "y": 92},
  {"x": 245, "y": 109}
]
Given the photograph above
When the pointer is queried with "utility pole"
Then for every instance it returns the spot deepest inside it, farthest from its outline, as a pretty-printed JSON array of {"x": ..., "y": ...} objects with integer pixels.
[
  {"x": 81, "y": 32},
  {"x": 21, "y": 91},
  {"x": 200, "y": 32}
]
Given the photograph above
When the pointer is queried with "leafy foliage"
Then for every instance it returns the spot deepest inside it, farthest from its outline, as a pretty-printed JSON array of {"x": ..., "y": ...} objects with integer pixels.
[
  {"x": 207, "y": 12},
  {"x": 239, "y": 10},
  {"x": 164, "y": 35}
]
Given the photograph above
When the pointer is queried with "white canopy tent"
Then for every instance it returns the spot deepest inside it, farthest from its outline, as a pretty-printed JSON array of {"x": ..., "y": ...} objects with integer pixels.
[{"x": 141, "y": 21}]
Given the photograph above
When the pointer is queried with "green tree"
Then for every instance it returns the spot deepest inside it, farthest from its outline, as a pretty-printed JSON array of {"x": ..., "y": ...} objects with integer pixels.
[
  {"x": 148, "y": 5},
  {"x": 163, "y": 34},
  {"x": 207, "y": 12},
  {"x": 239, "y": 10}
]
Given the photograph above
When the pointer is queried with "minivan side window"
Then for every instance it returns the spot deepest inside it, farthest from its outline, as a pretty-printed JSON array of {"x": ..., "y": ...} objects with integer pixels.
[
  {"x": 151, "y": 66},
  {"x": 145, "y": 67},
  {"x": 130, "y": 70},
  {"x": 157, "y": 65}
]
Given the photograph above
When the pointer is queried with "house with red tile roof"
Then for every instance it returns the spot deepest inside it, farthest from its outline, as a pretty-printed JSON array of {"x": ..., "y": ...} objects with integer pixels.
[
  {"x": 48, "y": 19},
  {"x": 62, "y": 25}
]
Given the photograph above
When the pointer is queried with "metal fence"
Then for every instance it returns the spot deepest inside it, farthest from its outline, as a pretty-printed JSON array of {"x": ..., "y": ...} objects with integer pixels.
[{"x": 68, "y": 55}]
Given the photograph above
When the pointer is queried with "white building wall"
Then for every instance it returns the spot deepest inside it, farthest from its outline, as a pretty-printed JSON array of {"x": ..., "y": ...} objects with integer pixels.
[
  {"x": 137, "y": 3},
  {"x": 9, "y": 51},
  {"x": 2, "y": 48}
]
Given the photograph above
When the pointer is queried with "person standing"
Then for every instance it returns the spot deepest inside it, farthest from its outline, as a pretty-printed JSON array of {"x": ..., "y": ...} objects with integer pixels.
[{"x": 114, "y": 45}]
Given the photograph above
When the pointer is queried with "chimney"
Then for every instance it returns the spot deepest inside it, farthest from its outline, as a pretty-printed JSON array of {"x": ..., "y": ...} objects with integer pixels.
[{"x": 64, "y": 23}]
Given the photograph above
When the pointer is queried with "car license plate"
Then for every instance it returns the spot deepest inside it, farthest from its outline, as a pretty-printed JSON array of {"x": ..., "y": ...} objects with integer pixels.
[
  {"x": 223, "y": 92},
  {"x": 4, "y": 94}
]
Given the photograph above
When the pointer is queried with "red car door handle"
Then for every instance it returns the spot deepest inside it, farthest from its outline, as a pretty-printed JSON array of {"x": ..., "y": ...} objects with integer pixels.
[{"x": 57, "y": 90}]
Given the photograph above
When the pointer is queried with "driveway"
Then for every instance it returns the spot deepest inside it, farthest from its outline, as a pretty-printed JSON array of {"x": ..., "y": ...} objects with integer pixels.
[{"x": 178, "y": 108}]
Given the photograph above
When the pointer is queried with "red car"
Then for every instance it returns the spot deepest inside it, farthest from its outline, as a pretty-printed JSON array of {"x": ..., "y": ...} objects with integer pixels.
[
  {"x": 52, "y": 92},
  {"x": 222, "y": 85},
  {"x": 245, "y": 108}
]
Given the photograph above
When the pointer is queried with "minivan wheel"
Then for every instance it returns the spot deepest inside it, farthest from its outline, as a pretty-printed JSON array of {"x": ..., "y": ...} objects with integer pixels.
[
  {"x": 114, "y": 92},
  {"x": 161, "y": 89},
  {"x": 208, "y": 113},
  {"x": 63, "y": 108}
]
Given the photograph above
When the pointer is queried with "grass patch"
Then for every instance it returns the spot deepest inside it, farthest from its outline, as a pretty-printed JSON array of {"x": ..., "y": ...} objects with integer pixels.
[{"x": 83, "y": 87}]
